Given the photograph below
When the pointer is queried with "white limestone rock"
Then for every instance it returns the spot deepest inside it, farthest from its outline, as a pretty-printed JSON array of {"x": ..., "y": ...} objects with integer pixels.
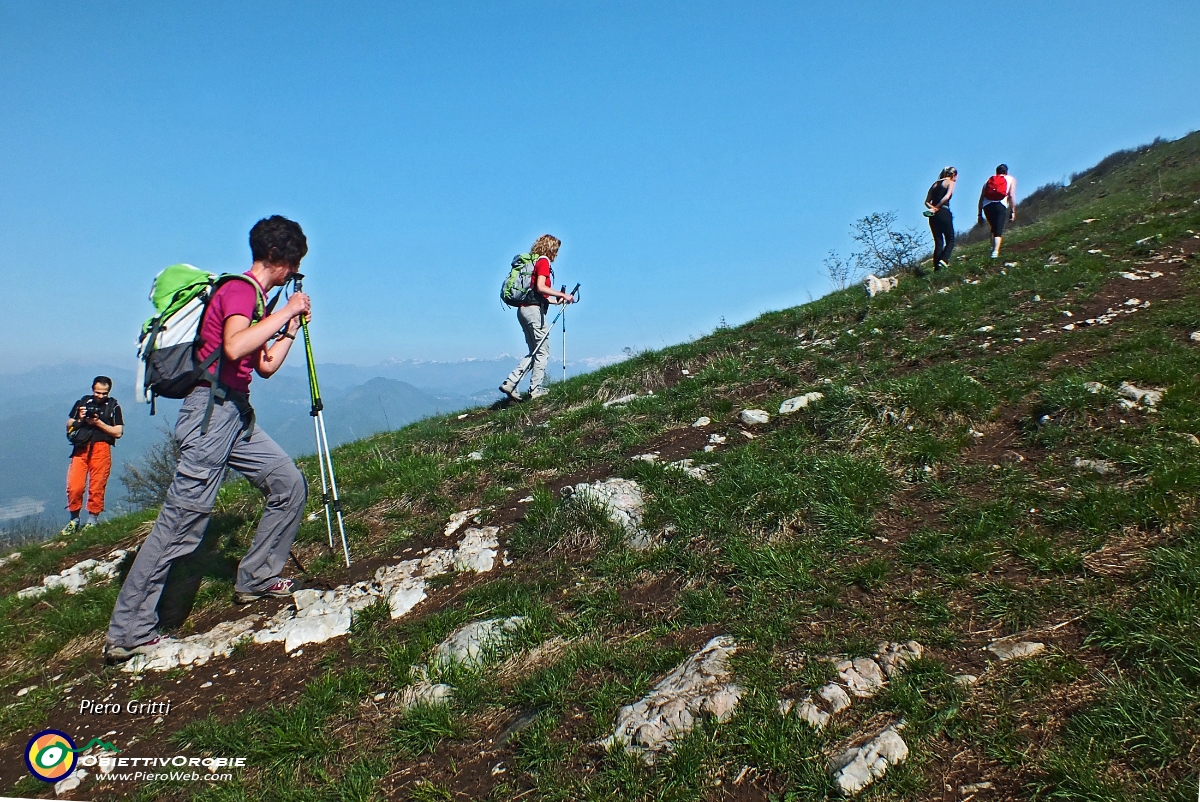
[
  {"x": 16, "y": 555},
  {"x": 754, "y": 417},
  {"x": 616, "y": 402},
  {"x": 892, "y": 657},
  {"x": 875, "y": 285},
  {"x": 74, "y": 579},
  {"x": 687, "y": 466},
  {"x": 424, "y": 692},
  {"x": 701, "y": 422},
  {"x": 70, "y": 783},
  {"x": 1139, "y": 395},
  {"x": 799, "y": 402},
  {"x": 478, "y": 549},
  {"x": 701, "y": 685},
  {"x": 621, "y": 499},
  {"x": 1100, "y": 466},
  {"x": 469, "y": 645},
  {"x": 458, "y": 519},
  {"x": 318, "y": 615},
  {"x": 1012, "y": 649},
  {"x": 857, "y": 768},
  {"x": 862, "y": 676}
]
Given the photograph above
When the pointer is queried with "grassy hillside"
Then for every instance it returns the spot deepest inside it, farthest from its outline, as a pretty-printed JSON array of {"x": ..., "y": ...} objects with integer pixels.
[{"x": 963, "y": 479}]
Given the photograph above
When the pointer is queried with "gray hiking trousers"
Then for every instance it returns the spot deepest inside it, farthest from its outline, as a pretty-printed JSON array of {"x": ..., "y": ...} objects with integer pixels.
[
  {"x": 533, "y": 323},
  {"x": 189, "y": 505}
]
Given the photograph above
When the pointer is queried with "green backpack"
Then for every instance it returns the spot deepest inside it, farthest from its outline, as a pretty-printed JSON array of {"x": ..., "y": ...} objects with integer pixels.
[
  {"x": 517, "y": 289},
  {"x": 167, "y": 362}
]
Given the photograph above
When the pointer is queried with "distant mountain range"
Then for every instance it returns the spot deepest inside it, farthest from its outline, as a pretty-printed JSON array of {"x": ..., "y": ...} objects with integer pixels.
[{"x": 359, "y": 401}]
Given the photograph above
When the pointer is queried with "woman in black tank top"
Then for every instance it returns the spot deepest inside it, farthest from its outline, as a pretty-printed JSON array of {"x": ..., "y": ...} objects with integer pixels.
[{"x": 941, "y": 221}]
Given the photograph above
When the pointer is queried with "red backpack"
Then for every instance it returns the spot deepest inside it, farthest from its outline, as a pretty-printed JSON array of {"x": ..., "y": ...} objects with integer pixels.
[{"x": 996, "y": 188}]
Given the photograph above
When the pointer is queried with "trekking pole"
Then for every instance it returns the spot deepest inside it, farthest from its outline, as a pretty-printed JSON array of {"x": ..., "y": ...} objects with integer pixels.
[
  {"x": 564, "y": 330},
  {"x": 324, "y": 457},
  {"x": 546, "y": 336}
]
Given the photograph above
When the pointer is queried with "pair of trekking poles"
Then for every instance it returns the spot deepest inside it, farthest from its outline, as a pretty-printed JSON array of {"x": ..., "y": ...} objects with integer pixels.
[
  {"x": 562, "y": 313},
  {"x": 329, "y": 490}
]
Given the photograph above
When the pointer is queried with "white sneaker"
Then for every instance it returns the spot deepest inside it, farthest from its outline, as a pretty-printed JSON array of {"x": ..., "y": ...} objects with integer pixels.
[
  {"x": 995, "y": 254},
  {"x": 538, "y": 392}
]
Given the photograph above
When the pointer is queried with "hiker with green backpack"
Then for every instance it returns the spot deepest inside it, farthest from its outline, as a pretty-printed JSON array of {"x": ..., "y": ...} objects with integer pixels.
[
  {"x": 529, "y": 287},
  {"x": 209, "y": 336}
]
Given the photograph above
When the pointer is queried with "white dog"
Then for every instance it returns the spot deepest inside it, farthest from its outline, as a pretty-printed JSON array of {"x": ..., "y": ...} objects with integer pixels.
[{"x": 877, "y": 285}]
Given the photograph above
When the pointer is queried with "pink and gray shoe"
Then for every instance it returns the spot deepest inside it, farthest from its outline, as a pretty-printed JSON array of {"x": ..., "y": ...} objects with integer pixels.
[{"x": 280, "y": 589}]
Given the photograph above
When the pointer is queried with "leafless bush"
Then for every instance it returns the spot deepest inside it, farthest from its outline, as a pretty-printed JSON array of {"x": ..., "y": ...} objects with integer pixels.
[
  {"x": 887, "y": 249},
  {"x": 146, "y": 484},
  {"x": 840, "y": 272}
]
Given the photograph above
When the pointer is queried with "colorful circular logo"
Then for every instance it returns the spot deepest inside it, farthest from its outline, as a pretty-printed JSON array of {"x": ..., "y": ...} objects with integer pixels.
[{"x": 50, "y": 755}]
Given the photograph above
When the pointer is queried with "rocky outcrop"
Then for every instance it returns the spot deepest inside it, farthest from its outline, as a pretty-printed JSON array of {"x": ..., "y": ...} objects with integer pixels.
[
  {"x": 701, "y": 685},
  {"x": 318, "y": 616},
  {"x": 74, "y": 579},
  {"x": 856, "y": 768}
]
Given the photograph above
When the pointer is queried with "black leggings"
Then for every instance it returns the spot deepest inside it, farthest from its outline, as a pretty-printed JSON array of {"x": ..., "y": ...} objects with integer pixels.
[
  {"x": 942, "y": 226},
  {"x": 997, "y": 215}
]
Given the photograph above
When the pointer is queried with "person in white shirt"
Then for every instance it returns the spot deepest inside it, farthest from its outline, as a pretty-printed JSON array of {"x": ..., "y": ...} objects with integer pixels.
[{"x": 998, "y": 204}]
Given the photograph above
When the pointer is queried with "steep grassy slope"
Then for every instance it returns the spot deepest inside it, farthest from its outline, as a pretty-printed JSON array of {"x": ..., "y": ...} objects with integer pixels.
[{"x": 940, "y": 491}]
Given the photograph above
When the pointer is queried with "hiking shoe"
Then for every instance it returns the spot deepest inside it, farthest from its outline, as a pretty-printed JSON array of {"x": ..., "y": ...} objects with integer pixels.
[
  {"x": 511, "y": 391},
  {"x": 280, "y": 589},
  {"x": 942, "y": 263},
  {"x": 538, "y": 393},
  {"x": 88, "y": 525},
  {"x": 995, "y": 254},
  {"x": 71, "y": 528},
  {"x": 114, "y": 654}
]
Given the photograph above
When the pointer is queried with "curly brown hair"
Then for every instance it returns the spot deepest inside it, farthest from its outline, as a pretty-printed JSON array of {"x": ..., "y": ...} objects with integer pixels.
[{"x": 546, "y": 245}]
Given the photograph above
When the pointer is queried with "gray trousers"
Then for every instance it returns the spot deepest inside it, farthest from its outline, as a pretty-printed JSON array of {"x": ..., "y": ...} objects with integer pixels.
[
  {"x": 533, "y": 323},
  {"x": 189, "y": 505}
]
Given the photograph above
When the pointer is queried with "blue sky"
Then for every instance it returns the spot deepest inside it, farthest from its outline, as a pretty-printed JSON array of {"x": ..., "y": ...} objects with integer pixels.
[{"x": 697, "y": 159}]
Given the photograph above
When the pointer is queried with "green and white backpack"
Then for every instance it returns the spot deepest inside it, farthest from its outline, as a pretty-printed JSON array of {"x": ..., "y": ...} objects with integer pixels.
[
  {"x": 167, "y": 362},
  {"x": 517, "y": 289}
]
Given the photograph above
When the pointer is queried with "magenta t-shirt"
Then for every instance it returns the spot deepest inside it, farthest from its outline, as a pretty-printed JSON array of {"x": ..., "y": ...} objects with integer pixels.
[{"x": 234, "y": 297}]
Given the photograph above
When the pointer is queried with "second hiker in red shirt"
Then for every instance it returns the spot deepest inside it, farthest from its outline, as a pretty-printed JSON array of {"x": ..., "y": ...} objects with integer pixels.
[{"x": 532, "y": 317}]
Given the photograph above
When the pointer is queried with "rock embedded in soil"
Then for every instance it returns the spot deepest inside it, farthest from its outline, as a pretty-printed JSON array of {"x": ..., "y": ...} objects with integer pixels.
[
  {"x": 1146, "y": 397},
  {"x": 701, "y": 422},
  {"x": 616, "y": 402},
  {"x": 687, "y": 467},
  {"x": 458, "y": 519},
  {"x": 754, "y": 417},
  {"x": 857, "y": 768},
  {"x": 863, "y": 677},
  {"x": 12, "y": 558},
  {"x": 468, "y": 645},
  {"x": 74, "y": 579},
  {"x": 424, "y": 692},
  {"x": 799, "y": 402},
  {"x": 701, "y": 685},
  {"x": 478, "y": 549},
  {"x": 1100, "y": 466},
  {"x": 318, "y": 616},
  {"x": 621, "y": 499},
  {"x": 1010, "y": 649}
]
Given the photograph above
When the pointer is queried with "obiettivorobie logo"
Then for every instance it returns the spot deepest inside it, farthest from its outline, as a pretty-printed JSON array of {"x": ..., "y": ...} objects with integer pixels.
[{"x": 50, "y": 755}]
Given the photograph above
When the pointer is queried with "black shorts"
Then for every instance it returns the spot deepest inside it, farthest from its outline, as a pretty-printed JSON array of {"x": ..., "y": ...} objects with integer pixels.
[{"x": 997, "y": 215}]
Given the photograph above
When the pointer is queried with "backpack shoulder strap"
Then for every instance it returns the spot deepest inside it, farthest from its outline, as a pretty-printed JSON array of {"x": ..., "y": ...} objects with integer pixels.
[{"x": 260, "y": 301}]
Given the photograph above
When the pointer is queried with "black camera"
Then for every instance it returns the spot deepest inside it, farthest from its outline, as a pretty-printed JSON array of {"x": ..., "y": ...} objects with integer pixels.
[{"x": 92, "y": 409}]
